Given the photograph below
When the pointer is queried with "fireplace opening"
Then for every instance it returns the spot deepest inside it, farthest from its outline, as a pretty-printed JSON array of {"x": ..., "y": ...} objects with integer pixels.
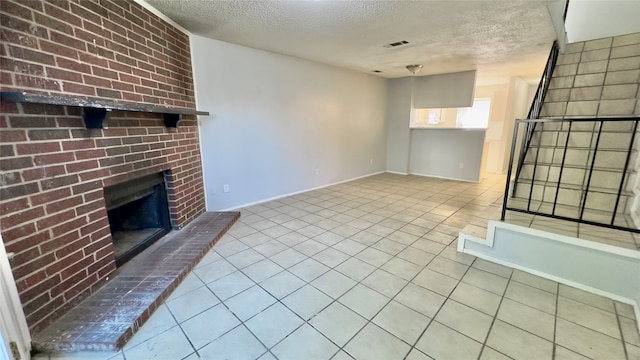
[{"x": 138, "y": 214}]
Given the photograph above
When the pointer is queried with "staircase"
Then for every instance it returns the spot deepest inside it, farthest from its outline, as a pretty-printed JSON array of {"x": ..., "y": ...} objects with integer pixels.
[
  {"x": 573, "y": 171},
  {"x": 580, "y": 164}
]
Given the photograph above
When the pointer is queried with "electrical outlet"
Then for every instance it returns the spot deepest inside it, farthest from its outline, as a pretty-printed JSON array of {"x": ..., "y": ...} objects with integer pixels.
[
  {"x": 225, "y": 188},
  {"x": 370, "y": 161},
  {"x": 317, "y": 171},
  {"x": 460, "y": 165}
]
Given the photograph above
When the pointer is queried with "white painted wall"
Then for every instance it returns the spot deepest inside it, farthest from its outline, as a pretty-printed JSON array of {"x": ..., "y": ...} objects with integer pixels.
[
  {"x": 595, "y": 19},
  {"x": 556, "y": 13},
  {"x": 452, "y": 90},
  {"x": 447, "y": 153},
  {"x": 519, "y": 99},
  {"x": 398, "y": 113},
  {"x": 275, "y": 119},
  {"x": 495, "y": 136}
]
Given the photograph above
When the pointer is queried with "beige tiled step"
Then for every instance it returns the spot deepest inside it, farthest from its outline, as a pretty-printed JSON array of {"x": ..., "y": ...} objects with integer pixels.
[
  {"x": 587, "y": 126},
  {"x": 609, "y": 166},
  {"x": 475, "y": 230},
  {"x": 606, "y": 140},
  {"x": 610, "y": 158},
  {"x": 598, "y": 199},
  {"x": 593, "y": 188},
  {"x": 620, "y": 238},
  {"x": 576, "y": 177},
  {"x": 573, "y": 212}
]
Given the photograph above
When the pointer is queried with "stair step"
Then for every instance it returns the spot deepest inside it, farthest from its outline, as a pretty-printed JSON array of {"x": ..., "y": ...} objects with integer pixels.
[
  {"x": 577, "y": 157},
  {"x": 564, "y": 131},
  {"x": 582, "y": 167},
  {"x": 570, "y": 197},
  {"x": 595, "y": 189},
  {"x": 583, "y": 148},
  {"x": 577, "y": 176},
  {"x": 545, "y": 207},
  {"x": 621, "y": 125},
  {"x": 586, "y": 140}
]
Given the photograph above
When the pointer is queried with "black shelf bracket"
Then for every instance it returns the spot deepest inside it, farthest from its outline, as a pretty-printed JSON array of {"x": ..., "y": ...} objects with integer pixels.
[
  {"x": 95, "y": 118},
  {"x": 171, "y": 120}
]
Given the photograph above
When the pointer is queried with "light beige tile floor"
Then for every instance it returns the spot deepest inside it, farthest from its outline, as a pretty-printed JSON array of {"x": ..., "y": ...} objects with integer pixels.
[{"x": 369, "y": 270}]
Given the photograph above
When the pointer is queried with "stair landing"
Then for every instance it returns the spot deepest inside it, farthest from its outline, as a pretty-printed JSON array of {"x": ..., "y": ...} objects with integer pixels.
[
  {"x": 107, "y": 319},
  {"x": 623, "y": 239}
]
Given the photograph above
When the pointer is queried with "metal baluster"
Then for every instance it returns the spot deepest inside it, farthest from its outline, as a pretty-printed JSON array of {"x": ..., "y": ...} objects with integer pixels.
[
  {"x": 593, "y": 161},
  {"x": 535, "y": 165},
  {"x": 534, "y": 110},
  {"x": 524, "y": 147},
  {"x": 564, "y": 156},
  {"x": 511, "y": 155}
]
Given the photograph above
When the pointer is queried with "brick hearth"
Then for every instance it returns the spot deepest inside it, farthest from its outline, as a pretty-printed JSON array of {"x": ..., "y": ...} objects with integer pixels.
[{"x": 109, "y": 317}]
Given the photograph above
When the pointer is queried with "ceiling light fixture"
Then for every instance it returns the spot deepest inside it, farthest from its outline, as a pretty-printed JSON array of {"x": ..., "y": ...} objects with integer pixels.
[{"x": 414, "y": 68}]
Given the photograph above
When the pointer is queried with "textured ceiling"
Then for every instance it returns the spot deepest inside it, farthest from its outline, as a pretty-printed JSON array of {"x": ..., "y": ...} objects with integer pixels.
[{"x": 499, "y": 38}]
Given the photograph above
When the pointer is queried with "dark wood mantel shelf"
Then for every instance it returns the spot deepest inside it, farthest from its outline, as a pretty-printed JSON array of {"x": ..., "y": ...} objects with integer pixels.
[{"x": 96, "y": 111}]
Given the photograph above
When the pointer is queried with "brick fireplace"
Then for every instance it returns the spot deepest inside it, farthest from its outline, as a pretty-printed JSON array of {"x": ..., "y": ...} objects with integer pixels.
[
  {"x": 138, "y": 213},
  {"x": 53, "y": 169}
]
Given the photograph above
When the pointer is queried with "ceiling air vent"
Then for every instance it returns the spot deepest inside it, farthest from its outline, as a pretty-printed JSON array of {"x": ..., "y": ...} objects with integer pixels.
[{"x": 398, "y": 43}]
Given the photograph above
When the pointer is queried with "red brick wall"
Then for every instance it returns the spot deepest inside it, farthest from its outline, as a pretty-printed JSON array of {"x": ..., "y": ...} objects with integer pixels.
[
  {"x": 106, "y": 49},
  {"x": 53, "y": 170}
]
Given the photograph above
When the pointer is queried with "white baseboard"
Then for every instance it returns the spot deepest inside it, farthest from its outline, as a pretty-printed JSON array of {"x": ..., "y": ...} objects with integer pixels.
[
  {"x": 257, "y": 202},
  {"x": 299, "y": 192},
  {"x": 444, "y": 177}
]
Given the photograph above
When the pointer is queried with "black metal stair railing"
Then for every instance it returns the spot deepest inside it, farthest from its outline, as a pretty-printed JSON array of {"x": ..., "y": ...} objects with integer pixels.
[
  {"x": 536, "y": 105},
  {"x": 584, "y": 136}
]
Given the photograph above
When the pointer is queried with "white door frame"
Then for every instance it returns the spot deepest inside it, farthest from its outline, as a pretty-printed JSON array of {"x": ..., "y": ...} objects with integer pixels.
[{"x": 13, "y": 325}]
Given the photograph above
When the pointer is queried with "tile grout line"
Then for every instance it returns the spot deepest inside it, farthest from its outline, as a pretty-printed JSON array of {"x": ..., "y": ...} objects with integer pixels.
[
  {"x": 381, "y": 206},
  {"x": 221, "y": 302},
  {"x": 495, "y": 317},
  {"x": 360, "y": 282},
  {"x": 411, "y": 347},
  {"x": 555, "y": 321},
  {"x": 439, "y": 308},
  {"x": 624, "y": 343}
]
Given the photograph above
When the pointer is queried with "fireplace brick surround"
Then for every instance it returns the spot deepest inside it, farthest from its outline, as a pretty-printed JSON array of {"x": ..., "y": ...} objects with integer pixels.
[{"x": 53, "y": 170}]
